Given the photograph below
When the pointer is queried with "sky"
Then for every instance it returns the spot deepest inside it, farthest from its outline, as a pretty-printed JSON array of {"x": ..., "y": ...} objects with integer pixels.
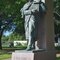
[{"x": 7, "y": 33}]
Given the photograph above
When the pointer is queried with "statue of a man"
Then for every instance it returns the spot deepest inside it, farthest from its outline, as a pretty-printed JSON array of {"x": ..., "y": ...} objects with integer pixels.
[{"x": 31, "y": 14}]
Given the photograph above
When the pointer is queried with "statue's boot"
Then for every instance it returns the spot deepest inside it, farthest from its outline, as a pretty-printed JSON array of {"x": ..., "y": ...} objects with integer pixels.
[
  {"x": 29, "y": 48},
  {"x": 33, "y": 46}
]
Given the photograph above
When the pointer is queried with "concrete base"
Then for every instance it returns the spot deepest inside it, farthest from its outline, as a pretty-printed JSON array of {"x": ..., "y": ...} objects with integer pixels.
[{"x": 29, "y": 55}]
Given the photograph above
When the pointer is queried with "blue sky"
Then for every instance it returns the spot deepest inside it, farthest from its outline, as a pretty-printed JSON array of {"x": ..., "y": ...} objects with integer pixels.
[{"x": 7, "y": 33}]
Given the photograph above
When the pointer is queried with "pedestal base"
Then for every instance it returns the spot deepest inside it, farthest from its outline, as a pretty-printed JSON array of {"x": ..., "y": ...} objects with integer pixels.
[{"x": 43, "y": 55}]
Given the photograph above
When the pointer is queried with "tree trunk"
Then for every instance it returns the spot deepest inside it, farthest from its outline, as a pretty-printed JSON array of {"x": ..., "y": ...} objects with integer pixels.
[
  {"x": 1, "y": 33},
  {"x": 0, "y": 43}
]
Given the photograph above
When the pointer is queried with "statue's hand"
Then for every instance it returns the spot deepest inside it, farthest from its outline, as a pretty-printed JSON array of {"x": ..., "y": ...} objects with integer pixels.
[
  {"x": 21, "y": 12},
  {"x": 34, "y": 11}
]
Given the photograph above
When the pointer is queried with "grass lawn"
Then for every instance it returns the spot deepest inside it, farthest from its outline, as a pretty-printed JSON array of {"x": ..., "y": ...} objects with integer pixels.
[
  {"x": 58, "y": 58},
  {"x": 14, "y": 48},
  {"x": 5, "y": 56}
]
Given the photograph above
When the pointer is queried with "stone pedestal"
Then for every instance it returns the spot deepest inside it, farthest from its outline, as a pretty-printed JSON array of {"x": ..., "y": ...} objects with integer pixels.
[
  {"x": 36, "y": 55},
  {"x": 22, "y": 56}
]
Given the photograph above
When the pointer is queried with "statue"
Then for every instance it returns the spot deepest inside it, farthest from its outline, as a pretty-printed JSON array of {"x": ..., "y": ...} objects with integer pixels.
[{"x": 32, "y": 12}]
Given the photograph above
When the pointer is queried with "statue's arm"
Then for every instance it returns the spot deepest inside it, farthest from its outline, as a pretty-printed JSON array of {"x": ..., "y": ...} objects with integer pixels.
[
  {"x": 23, "y": 9},
  {"x": 28, "y": 12}
]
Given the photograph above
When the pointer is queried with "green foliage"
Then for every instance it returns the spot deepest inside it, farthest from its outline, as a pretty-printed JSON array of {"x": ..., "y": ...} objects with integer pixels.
[
  {"x": 13, "y": 37},
  {"x": 57, "y": 6},
  {"x": 12, "y": 8},
  {"x": 58, "y": 48},
  {"x": 9, "y": 8},
  {"x": 57, "y": 16}
]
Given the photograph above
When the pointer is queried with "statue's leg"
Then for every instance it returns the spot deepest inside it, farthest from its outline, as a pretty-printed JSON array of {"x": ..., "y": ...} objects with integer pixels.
[
  {"x": 33, "y": 45},
  {"x": 33, "y": 34},
  {"x": 31, "y": 42},
  {"x": 29, "y": 47},
  {"x": 26, "y": 25},
  {"x": 27, "y": 33}
]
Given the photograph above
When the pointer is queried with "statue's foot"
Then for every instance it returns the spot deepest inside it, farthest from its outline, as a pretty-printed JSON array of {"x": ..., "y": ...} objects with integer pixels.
[
  {"x": 33, "y": 47},
  {"x": 30, "y": 48}
]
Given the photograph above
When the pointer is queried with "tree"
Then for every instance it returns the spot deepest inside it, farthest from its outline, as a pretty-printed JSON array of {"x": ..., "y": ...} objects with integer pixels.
[
  {"x": 5, "y": 24},
  {"x": 8, "y": 9},
  {"x": 57, "y": 16}
]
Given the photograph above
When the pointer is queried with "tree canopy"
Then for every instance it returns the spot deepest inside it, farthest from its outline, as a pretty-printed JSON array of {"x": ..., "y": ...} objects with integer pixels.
[
  {"x": 10, "y": 16},
  {"x": 10, "y": 8}
]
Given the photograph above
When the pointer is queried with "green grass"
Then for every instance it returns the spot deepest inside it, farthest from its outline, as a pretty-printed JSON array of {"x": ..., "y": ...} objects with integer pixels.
[
  {"x": 5, "y": 56},
  {"x": 14, "y": 48},
  {"x": 58, "y": 58}
]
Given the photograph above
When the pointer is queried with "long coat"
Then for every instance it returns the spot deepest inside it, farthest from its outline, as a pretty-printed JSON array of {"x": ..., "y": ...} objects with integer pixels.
[{"x": 30, "y": 12}]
